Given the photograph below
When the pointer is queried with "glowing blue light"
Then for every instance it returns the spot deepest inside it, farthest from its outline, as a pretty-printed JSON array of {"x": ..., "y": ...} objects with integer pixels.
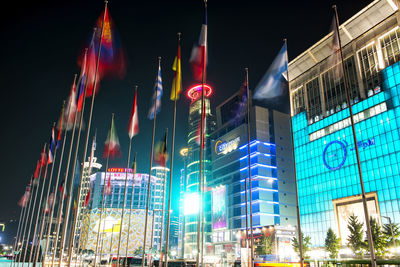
[
  {"x": 259, "y": 165},
  {"x": 255, "y": 142}
]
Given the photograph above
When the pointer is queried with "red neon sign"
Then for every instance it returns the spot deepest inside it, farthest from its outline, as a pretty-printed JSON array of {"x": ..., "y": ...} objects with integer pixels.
[
  {"x": 194, "y": 93},
  {"x": 119, "y": 170}
]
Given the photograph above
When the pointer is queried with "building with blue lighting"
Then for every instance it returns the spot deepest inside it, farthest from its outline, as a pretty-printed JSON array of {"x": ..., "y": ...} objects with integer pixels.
[
  {"x": 273, "y": 187},
  {"x": 328, "y": 179}
]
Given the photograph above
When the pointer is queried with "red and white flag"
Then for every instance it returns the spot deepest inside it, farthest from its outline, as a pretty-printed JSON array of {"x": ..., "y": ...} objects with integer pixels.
[
  {"x": 107, "y": 187},
  {"x": 133, "y": 128},
  {"x": 112, "y": 143},
  {"x": 71, "y": 108},
  {"x": 198, "y": 58},
  {"x": 24, "y": 199}
]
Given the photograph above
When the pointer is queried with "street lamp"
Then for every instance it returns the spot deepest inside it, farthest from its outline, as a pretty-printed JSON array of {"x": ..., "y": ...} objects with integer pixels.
[{"x": 391, "y": 230}]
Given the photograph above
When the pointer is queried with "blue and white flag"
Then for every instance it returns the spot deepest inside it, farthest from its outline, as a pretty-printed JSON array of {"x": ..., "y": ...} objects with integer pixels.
[
  {"x": 158, "y": 91},
  {"x": 272, "y": 84}
]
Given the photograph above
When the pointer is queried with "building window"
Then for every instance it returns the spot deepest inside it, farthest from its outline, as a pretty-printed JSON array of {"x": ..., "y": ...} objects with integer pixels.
[
  {"x": 314, "y": 100},
  {"x": 369, "y": 66},
  {"x": 390, "y": 46},
  {"x": 298, "y": 100}
]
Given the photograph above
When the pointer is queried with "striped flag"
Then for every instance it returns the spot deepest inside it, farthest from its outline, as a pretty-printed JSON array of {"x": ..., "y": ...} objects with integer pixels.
[
  {"x": 60, "y": 125},
  {"x": 52, "y": 147},
  {"x": 177, "y": 82},
  {"x": 24, "y": 199},
  {"x": 82, "y": 83},
  {"x": 71, "y": 108},
  {"x": 198, "y": 58},
  {"x": 133, "y": 128},
  {"x": 158, "y": 91},
  {"x": 161, "y": 154},
  {"x": 112, "y": 144}
]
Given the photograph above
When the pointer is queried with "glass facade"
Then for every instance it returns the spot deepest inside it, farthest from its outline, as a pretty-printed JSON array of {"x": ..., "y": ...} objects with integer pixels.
[{"x": 326, "y": 161}]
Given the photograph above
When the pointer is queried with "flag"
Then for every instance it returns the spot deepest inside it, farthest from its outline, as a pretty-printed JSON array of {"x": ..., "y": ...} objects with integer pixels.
[
  {"x": 107, "y": 187},
  {"x": 274, "y": 82},
  {"x": 71, "y": 108},
  {"x": 81, "y": 83},
  {"x": 24, "y": 199},
  {"x": 198, "y": 58},
  {"x": 40, "y": 163},
  {"x": 112, "y": 143},
  {"x": 112, "y": 55},
  {"x": 52, "y": 147},
  {"x": 177, "y": 82},
  {"x": 334, "y": 59},
  {"x": 134, "y": 165},
  {"x": 77, "y": 174},
  {"x": 62, "y": 189},
  {"x": 60, "y": 125},
  {"x": 49, "y": 203},
  {"x": 87, "y": 198},
  {"x": 133, "y": 128},
  {"x": 158, "y": 91},
  {"x": 242, "y": 104},
  {"x": 37, "y": 170},
  {"x": 161, "y": 154}
]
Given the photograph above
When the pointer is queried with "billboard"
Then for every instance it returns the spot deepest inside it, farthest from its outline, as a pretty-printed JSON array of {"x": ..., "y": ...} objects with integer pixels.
[{"x": 219, "y": 207}]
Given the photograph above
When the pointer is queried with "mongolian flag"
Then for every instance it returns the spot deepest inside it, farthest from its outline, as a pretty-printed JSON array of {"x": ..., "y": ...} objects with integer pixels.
[
  {"x": 198, "y": 58},
  {"x": 161, "y": 154},
  {"x": 133, "y": 128},
  {"x": 112, "y": 144},
  {"x": 177, "y": 82}
]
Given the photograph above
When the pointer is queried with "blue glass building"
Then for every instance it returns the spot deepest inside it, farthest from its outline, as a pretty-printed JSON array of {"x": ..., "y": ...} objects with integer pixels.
[{"x": 328, "y": 179}]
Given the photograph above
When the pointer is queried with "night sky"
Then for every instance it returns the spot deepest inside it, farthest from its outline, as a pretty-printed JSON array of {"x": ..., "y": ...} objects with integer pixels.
[{"x": 41, "y": 41}]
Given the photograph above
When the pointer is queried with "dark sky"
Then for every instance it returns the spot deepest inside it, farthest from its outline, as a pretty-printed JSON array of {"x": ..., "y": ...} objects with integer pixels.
[{"x": 41, "y": 41}]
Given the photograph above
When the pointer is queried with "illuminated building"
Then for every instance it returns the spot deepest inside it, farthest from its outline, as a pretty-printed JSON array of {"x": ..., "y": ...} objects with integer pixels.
[
  {"x": 191, "y": 196},
  {"x": 328, "y": 179},
  {"x": 182, "y": 188},
  {"x": 273, "y": 187},
  {"x": 161, "y": 173},
  {"x": 111, "y": 218}
]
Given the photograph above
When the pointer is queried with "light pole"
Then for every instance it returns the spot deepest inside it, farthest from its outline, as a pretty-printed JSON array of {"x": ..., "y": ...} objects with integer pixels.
[{"x": 391, "y": 230}]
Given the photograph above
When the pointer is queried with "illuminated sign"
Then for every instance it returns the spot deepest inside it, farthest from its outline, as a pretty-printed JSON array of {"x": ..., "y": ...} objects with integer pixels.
[
  {"x": 335, "y": 152},
  {"x": 119, "y": 170},
  {"x": 226, "y": 147},
  {"x": 219, "y": 207}
]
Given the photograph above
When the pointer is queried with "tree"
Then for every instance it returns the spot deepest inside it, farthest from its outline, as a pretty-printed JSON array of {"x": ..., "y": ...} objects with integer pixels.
[
  {"x": 306, "y": 245},
  {"x": 387, "y": 232},
  {"x": 265, "y": 245},
  {"x": 378, "y": 237},
  {"x": 332, "y": 244},
  {"x": 355, "y": 238}
]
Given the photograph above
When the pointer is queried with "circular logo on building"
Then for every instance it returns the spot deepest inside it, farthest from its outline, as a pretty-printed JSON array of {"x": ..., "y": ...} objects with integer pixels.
[{"x": 334, "y": 155}]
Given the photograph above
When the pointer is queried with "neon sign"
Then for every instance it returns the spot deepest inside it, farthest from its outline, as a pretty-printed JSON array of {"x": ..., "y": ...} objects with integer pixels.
[
  {"x": 226, "y": 147},
  {"x": 335, "y": 152},
  {"x": 119, "y": 170}
]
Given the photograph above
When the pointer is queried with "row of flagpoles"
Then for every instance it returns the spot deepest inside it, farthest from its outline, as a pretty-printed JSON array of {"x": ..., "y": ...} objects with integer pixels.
[{"x": 103, "y": 57}]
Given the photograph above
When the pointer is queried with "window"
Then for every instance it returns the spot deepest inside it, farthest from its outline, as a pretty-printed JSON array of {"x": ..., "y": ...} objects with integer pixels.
[
  {"x": 390, "y": 46},
  {"x": 369, "y": 66}
]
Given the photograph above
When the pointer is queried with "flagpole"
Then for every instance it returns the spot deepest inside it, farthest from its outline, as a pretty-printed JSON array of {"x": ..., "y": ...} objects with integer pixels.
[
  {"x": 61, "y": 204},
  {"x": 171, "y": 164},
  {"x": 124, "y": 201},
  {"x": 364, "y": 200},
  {"x": 300, "y": 234},
  {"x": 90, "y": 115},
  {"x": 42, "y": 158},
  {"x": 55, "y": 195},
  {"x": 130, "y": 213},
  {"x": 24, "y": 209},
  {"x": 40, "y": 202},
  {"x": 102, "y": 204},
  {"x": 163, "y": 203},
  {"x": 249, "y": 162},
  {"x": 26, "y": 221},
  {"x": 71, "y": 185},
  {"x": 203, "y": 81},
  {"x": 245, "y": 181},
  {"x": 151, "y": 163},
  {"x": 21, "y": 215}
]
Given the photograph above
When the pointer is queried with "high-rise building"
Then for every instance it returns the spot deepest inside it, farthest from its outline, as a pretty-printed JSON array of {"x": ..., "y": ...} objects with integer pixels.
[
  {"x": 273, "y": 185},
  {"x": 192, "y": 196},
  {"x": 110, "y": 224},
  {"x": 161, "y": 173},
  {"x": 182, "y": 188},
  {"x": 328, "y": 178}
]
